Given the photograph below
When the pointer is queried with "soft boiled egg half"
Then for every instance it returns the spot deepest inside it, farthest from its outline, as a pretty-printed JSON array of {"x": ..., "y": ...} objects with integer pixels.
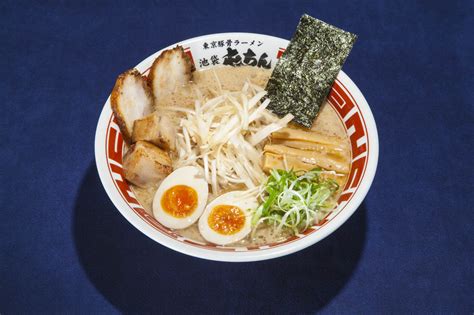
[
  {"x": 181, "y": 198},
  {"x": 227, "y": 218}
]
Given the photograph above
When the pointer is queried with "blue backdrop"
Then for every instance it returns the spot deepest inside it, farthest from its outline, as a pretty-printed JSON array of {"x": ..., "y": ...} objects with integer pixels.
[{"x": 64, "y": 247}]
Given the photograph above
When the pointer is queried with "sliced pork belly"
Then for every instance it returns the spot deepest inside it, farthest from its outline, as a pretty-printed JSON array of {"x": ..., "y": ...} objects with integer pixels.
[
  {"x": 145, "y": 164},
  {"x": 156, "y": 129},
  {"x": 170, "y": 71},
  {"x": 131, "y": 99}
]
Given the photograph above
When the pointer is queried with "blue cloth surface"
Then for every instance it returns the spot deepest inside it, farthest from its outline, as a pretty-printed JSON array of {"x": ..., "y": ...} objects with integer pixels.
[{"x": 64, "y": 248}]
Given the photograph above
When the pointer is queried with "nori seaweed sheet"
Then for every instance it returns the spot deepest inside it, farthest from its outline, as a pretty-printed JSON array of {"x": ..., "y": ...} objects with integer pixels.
[{"x": 307, "y": 69}]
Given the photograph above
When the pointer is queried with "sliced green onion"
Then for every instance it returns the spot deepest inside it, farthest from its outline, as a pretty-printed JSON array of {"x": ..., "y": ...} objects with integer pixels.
[{"x": 295, "y": 200}]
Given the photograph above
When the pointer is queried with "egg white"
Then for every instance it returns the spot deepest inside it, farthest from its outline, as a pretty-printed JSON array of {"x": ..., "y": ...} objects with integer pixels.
[
  {"x": 234, "y": 198},
  {"x": 189, "y": 176}
]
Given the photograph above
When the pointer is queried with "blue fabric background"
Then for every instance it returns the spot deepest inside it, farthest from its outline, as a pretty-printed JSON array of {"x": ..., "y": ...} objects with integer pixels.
[{"x": 63, "y": 246}]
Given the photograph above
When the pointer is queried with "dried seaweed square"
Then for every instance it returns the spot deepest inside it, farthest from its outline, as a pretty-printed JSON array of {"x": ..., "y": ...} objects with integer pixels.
[{"x": 307, "y": 69}]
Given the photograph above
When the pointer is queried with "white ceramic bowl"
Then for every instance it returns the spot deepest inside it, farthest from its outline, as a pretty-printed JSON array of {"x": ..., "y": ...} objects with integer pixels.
[{"x": 209, "y": 51}]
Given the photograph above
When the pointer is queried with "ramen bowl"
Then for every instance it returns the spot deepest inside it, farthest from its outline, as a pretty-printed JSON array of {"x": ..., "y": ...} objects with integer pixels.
[{"x": 213, "y": 51}]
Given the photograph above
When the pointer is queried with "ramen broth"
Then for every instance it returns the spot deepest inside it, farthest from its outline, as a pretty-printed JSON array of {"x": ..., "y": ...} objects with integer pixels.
[{"x": 209, "y": 83}]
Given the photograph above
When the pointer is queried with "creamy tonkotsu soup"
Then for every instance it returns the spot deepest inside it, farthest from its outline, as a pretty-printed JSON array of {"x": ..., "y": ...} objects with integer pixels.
[{"x": 208, "y": 84}]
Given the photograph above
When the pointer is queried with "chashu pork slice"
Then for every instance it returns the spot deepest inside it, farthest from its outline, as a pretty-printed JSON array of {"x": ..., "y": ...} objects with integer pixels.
[
  {"x": 145, "y": 164},
  {"x": 131, "y": 99},
  {"x": 157, "y": 129},
  {"x": 171, "y": 70}
]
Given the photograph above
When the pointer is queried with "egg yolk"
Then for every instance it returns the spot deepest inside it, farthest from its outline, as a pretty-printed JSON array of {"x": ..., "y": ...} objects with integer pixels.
[
  {"x": 226, "y": 219},
  {"x": 180, "y": 201}
]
